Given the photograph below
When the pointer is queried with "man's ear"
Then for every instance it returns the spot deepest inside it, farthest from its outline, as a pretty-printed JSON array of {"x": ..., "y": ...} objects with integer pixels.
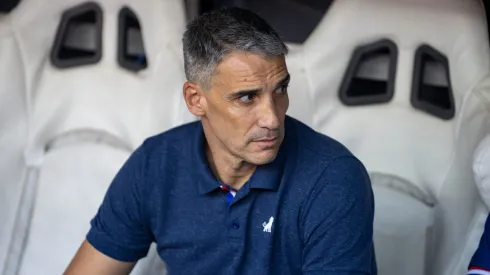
[{"x": 194, "y": 98}]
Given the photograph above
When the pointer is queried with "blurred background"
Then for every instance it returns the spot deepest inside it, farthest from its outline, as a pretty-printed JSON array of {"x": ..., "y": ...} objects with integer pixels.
[{"x": 404, "y": 84}]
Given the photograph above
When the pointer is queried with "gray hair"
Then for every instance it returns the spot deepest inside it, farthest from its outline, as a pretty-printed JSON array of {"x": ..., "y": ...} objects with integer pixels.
[{"x": 211, "y": 36}]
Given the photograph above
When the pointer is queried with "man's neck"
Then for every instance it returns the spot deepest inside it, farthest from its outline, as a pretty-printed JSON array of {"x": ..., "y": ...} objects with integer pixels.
[
  {"x": 226, "y": 167},
  {"x": 229, "y": 169}
]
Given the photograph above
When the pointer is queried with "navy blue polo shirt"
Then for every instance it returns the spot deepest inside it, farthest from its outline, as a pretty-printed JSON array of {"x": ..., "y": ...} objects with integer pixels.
[
  {"x": 310, "y": 211},
  {"x": 480, "y": 262}
]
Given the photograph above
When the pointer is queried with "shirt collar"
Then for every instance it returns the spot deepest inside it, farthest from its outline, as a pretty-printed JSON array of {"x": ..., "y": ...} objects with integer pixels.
[{"x": 266, "y": 176}]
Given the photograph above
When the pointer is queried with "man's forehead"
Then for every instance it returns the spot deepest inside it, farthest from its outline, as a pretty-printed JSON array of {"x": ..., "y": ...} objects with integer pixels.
[{"x": 239, "y": 65}]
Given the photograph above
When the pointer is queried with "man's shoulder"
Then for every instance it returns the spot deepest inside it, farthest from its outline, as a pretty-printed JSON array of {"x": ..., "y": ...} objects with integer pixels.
[
  {"x": 317, "y": 146},
  {"x": 321, "y": 160}
]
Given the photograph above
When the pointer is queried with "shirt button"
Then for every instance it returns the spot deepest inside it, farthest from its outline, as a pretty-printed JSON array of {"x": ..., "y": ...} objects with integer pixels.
[{"x": 235, "y": 225}]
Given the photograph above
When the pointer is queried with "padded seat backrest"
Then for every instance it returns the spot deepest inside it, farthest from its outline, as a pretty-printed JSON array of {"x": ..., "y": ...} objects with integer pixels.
[
  {"x": 113, "y": 66},
  {"x": 397, "y": 83},
  {"x": 100, "y": 78}
]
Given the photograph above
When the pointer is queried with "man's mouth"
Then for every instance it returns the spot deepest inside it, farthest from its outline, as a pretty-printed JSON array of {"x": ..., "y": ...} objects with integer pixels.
[
  {"x": 266, "y": 139},
  {"x": 266, "y": 142}
]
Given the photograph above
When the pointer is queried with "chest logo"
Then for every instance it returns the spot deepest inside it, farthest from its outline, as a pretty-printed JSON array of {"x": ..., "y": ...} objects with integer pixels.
[{"x": 268, "y": 226}]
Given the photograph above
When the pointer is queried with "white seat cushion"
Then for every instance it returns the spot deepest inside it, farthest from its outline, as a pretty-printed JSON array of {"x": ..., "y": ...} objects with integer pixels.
[
  {"x": 404, "y": 220},
  {"x": 72, "y": 183}
]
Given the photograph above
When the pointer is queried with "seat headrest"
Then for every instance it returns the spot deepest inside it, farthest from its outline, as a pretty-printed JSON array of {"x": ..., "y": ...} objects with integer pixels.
[
  {"x": 170, "y": 15},
  {"x": 455, "y": 28},
  {"x": 106, "y": 63},
  {"x": 452, "y": 25}
]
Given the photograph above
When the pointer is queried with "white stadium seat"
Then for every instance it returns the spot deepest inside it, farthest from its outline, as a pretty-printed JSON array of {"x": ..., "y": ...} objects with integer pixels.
[
  {"x": 102, "y": 76},
  {"x": 397, "y": 82}
]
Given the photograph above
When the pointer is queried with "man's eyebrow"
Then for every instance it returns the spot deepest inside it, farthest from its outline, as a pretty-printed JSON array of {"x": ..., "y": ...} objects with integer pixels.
[
  {"x": 284, "y": 81},
  {"x": 242, "y": 93}
]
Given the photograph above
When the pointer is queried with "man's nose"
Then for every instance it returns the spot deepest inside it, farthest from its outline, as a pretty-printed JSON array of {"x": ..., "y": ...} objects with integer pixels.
[{"x": 268, "y": 117}]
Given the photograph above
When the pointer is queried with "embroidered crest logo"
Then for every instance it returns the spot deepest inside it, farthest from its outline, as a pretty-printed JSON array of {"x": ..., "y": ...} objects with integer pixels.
[{"x": 268, "y": 226}]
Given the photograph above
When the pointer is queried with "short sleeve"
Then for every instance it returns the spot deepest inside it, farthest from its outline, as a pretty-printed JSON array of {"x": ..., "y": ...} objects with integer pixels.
[
  {"x": 119, "y": 228},
  {"x": 480, "y": 262},
  {"x": 337, "y": 221}
]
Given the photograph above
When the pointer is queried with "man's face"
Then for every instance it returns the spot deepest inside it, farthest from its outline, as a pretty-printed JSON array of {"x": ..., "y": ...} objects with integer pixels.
[{"x": 246, "y": 105}]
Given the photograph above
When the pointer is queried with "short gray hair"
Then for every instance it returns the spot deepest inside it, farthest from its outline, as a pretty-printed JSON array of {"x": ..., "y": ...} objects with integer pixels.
[{"x": 211, "y": 36}]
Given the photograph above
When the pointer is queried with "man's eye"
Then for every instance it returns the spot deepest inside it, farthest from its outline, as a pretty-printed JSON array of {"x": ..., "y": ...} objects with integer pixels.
[
  {"x": 247, "y": 98},
  {"x": 282, "y": 90}
]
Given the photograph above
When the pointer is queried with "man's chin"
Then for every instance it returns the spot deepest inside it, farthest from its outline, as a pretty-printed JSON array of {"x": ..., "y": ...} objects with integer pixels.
[{"x": 264, "y": 157}]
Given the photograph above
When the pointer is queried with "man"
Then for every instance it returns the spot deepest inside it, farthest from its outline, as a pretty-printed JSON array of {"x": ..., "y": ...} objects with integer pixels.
[
  {"x": 480, "y": 263},
  {"x": 246, "y": 190}
]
